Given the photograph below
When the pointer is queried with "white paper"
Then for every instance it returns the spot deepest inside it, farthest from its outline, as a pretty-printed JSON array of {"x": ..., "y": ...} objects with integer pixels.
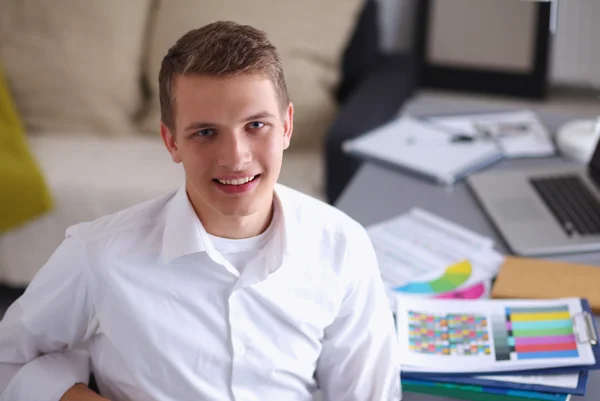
[
  {"x": 532, "y": 141},
  {"x": 563, "y": 380},
  {"x": 419, "y": 246},
  {"x": 420, "y": 147},
  {"x": 475, "y": 336},
  {"x": 451, "y": 229}
]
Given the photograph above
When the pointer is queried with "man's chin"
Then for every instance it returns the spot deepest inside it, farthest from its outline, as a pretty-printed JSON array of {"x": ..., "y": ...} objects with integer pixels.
[{"x": 227, "y": 206}]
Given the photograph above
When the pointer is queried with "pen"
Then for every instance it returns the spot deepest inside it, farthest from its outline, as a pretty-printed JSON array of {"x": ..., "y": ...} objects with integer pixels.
[{"x": 462, "y": 138}]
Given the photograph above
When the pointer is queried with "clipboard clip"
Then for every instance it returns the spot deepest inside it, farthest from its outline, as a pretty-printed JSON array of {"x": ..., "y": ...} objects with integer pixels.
[{"x": 585, "y": 320}]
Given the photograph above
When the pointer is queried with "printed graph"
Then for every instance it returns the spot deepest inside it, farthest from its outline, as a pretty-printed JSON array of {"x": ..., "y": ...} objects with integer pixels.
[
  {"x": 448, "y": 334},
  {"x": 534, "y": 333},
  {"x": 452, "y": 278},
  {"x": 473, "y": 292}
]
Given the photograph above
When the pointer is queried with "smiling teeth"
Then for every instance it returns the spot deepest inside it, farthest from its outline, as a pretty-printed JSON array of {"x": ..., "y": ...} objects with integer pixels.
[{"x": 238, "y": 181}]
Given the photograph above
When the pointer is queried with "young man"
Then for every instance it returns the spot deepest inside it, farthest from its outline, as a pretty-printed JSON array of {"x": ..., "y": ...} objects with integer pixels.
[{"x": 233, "y": 287}]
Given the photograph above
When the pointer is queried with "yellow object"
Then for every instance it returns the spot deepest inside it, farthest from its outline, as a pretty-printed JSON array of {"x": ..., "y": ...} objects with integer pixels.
[
  {"x": 463, "y": 267},
  {"x": 527, "y": 317},
  {"x": 24, "y": 194}
]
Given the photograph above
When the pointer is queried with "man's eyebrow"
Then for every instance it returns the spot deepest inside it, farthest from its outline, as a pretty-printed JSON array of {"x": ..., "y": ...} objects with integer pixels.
[
  {"x": 206, "y": 124},
  {"x": 200, "y": 125},
  {"x": 258, "y": 116}
]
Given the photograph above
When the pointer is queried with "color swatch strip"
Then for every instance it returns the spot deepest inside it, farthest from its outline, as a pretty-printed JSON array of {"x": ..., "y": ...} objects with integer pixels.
[
  {"x": 539, "y": 333},
  {"x": 502, "y": 343},
  {"x": 550, "y": 324},
  {"x": 543, "y": 340},
  {"x": 448, "y": 334},
  {"x": 541, "y": 316},
  {"x": 546, "y": 347}
]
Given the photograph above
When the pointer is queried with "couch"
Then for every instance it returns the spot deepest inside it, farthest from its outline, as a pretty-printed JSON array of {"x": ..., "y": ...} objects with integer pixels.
[{"x": 83, "y": 76}]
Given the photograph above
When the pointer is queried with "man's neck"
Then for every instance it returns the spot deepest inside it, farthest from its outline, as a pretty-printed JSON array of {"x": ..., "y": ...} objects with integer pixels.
[
  {"x": 235, "y": 227},
  {"x": 240, "y": 227}
]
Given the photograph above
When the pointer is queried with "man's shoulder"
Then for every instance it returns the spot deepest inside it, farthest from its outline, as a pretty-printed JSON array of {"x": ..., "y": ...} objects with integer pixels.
[
  {"x": 138, "y": 217},
  {"x": 315, "y": 213}
]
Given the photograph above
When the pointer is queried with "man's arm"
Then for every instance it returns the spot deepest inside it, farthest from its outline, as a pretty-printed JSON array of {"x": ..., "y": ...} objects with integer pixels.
[
  {"x": 360, "y": 358},
  {"x": 81, "y": 392},
  {"x": 47, "y": 377},
  {"x": 40, "y": 329}
]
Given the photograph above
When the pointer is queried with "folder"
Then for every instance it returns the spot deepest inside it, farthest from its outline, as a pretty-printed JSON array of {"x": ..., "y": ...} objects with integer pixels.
[
  {"x": 529, "y": 278},
  {"x": 477, "y": 393},
  {"x": 483, "y": 381}
]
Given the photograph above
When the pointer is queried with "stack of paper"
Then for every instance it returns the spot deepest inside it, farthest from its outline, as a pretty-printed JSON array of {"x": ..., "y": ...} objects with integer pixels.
[
  {"x": 458, "y": 347},
  {"x": 424, "y": 255},
  {"x": 478, "y": 392},
  {"x": 423, "y": 149},
  {"x": 463, "y": 345},
  {"x": 518, "y": 133}
]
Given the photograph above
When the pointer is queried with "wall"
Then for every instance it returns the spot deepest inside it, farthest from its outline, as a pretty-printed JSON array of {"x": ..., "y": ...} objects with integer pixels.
[
  {"x": 574, "y": 53},
  {"x": 576, "y": 50}
]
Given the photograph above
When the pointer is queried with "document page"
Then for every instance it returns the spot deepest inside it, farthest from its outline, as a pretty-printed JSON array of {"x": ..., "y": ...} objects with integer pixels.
[
  {"x": 518, "y": 133},
  {"x": 487, "y": 336},
  {"x": 423, "y": 148},
  {"x": 564, "y": 380},
  {"x": 422, "y": 254}
]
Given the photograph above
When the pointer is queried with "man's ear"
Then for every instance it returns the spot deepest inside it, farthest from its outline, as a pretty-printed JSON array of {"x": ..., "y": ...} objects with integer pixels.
[
  {"x": 170, "y": 142},
  {"x": 288, "y": 125}
]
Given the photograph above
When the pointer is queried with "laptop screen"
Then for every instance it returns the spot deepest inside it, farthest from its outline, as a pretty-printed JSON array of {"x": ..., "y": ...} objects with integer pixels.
[
  {"x": 594, "y": 165},
  {"x": 595, "y": 160}
]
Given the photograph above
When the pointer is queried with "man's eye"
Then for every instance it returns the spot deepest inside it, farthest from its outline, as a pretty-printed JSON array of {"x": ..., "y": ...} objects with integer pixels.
[
  {"x": 256, "y": 125},
  {"x": 204, "y": 132}
]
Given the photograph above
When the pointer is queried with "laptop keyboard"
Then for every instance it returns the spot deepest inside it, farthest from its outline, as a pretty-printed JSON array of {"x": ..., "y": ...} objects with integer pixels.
[{"x": 571, "y": 202}]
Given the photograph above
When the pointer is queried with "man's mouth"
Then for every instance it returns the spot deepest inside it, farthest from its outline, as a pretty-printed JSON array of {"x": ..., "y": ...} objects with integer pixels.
[{"x": 237, "y": 181}]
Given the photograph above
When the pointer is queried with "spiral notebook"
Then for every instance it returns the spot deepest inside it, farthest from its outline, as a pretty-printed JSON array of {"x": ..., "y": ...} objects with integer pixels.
[{"x": 418, "y": 147}]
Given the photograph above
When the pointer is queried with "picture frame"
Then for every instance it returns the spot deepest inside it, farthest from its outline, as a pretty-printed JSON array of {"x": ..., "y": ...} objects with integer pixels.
[{"x": 444, "y": 62}]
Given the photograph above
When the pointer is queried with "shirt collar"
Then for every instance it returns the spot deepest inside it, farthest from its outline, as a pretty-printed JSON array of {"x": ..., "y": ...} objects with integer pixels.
[
  {"x": 184, "y": 233},
  {"x": 291, "y": 228}
]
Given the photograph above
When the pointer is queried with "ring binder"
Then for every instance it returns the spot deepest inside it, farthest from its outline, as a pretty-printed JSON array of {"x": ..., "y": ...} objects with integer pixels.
[{"x": 588, "y": 319}]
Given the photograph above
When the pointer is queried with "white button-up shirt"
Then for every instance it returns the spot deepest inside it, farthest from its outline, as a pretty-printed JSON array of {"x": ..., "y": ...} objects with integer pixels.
[{"x": 163, "y": 316}]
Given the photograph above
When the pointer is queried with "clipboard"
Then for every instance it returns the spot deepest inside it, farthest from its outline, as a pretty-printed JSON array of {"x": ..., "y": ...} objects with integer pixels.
[
  {"x": 587, "y": 332},
  {"x": 591, "y": 332}
]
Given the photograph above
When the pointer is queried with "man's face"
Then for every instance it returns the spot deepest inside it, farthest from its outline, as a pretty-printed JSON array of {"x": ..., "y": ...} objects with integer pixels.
[{"x": 230, "y": 136}]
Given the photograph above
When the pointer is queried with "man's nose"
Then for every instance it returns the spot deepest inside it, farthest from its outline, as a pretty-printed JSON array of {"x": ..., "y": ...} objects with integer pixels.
[{"x": 234, "y": 151}]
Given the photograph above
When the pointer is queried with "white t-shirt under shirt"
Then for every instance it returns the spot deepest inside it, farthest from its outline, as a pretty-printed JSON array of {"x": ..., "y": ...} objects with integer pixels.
[{"x": 241, "y": 251}]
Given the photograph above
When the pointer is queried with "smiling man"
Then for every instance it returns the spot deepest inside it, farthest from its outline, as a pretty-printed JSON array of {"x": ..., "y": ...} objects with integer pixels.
[{"x": 234, "y": 287}]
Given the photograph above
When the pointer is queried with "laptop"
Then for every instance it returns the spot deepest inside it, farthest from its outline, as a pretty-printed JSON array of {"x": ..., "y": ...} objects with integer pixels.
[{"x": 545, "y": 211}]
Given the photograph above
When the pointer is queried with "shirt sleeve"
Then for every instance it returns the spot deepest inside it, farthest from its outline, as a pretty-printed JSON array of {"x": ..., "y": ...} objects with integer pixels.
[
  {"x": 360, "y": 356},
  {"x": 42, "y": 331}
]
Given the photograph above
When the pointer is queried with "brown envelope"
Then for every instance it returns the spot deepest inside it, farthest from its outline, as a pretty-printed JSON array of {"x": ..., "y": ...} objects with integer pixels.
[{"x": 530, "y": 278}]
